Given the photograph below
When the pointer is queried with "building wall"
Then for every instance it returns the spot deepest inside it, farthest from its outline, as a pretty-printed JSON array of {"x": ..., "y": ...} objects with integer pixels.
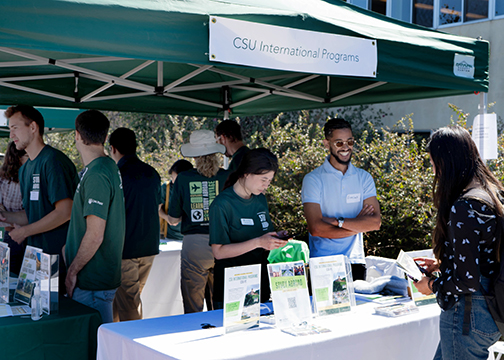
[{"x": 431, "y": 114}]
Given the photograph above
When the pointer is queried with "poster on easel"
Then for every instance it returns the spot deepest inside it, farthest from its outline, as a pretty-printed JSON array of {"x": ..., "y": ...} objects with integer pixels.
[
  {"x": 242, "y": 306},
  {"x": 289, "y": 291},
  {"x": 31, "y": 270},
  {"x": 4, "y": 272},
  {"x": 332, "y": 284}
]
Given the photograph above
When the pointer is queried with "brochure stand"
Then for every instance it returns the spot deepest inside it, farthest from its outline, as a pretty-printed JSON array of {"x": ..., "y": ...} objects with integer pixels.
[
  {"x": 38, "y": 267},
  {"x": 419, "y": 298},
  {"x": 4, "y": 272},
  {"x": 242, "y": 306},
  {"x": 291, "y": 301},
  {"x": 332, "y": 284}
]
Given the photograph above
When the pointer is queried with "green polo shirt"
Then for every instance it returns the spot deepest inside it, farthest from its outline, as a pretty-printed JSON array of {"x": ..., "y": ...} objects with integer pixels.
[
  {"x": 99, "y": 193},
  {"x": 235, "y": 220},
  {"x": 191, "y": 198},
  {"x": 237, "y": 158},
  {"x": 45, "y": 180}
]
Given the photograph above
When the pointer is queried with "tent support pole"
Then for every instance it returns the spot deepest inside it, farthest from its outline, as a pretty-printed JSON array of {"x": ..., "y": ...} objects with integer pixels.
[{"x": 482, "y": 104}]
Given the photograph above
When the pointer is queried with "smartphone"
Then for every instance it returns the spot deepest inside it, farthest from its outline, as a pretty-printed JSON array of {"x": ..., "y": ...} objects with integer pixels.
[
  {"x": 286, "y": 237},
  {"x": 422, "y": 270}
]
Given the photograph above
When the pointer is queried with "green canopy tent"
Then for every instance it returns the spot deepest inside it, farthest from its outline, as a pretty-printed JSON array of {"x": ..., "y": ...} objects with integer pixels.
[
  {"x": 56, "y": 120},
  {"x": 153, "y": 56}
]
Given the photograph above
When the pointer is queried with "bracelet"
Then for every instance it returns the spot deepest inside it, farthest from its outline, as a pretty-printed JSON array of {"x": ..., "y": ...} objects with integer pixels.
[{"x": 429, "y": 284}]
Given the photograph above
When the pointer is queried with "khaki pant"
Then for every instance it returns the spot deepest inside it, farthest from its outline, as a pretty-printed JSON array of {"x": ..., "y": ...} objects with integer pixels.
[
  {"x": 196, "y": 270},
  {"x": 127, "y": 302}
]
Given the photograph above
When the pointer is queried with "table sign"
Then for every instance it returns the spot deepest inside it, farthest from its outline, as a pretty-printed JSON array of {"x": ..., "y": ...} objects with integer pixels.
[
  {"x": 289, "y": 291},
  {"x": 4, "y": 272},
  {"x": 332, "y": 284},
  {"x": 242, "y": 306}
]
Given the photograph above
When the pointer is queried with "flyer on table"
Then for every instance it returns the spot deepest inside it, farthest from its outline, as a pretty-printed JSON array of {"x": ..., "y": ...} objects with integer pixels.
[
  {"x": 289, "y": 291},
  {"x": 35, "y": 267},
  {"x": 331, "y": 284},
  {"x": 242, "y": 305}
]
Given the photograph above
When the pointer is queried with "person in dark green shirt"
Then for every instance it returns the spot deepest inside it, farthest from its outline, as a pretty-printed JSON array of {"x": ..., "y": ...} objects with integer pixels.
[
  {"x": 241, "y": 231},
  {"x": 228, "y": 133},
  {"x": 48, "y": 181},
  {"x": 193, "y": 192},
  {"x": 172, "y": 232},
  {"x": 95, "y": 240}
]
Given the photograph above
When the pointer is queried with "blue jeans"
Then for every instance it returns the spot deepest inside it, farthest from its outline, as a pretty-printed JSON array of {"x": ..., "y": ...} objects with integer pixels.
[
  {"x": 100, "y": 300},
  {"x": 482, "y": 334}
]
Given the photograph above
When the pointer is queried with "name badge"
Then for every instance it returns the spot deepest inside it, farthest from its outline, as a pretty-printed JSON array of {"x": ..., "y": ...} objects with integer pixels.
[
  {"x": 249, "y": 222},
  {"x": 34, "y": 195},
  {"x": 352, "y": 198}
]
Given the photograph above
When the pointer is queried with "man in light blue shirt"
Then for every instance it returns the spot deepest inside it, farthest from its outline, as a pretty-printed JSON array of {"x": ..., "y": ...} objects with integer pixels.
[{"x": 339, "y": 201}]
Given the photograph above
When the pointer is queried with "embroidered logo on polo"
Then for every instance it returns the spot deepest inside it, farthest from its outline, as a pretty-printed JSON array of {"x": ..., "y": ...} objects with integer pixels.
[{"x": 202, "y": 193}]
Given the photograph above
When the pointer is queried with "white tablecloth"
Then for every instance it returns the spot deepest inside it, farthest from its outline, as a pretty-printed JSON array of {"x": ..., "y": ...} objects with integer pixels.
[
  {"x": 161, "y": 295},
  {"x": 357, "y": 335}
]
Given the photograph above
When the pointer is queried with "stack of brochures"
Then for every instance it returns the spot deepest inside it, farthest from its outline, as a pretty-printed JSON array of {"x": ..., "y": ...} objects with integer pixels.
[{"x": 396, "y": 309}]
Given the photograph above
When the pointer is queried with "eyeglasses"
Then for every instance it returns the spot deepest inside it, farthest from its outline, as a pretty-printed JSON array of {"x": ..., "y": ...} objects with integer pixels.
[{"x": 340, "y": 143}]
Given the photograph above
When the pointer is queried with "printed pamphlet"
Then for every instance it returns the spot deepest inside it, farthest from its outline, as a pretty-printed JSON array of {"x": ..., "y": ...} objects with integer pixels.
[
  {"x": 32, "y": 263},
  {"x": 409, "y": 266},
  {"x": 4, "y": 272},
  {"x": 242, "y": 305},
  {"x": 289, "y": 291},
  {"x": 332, "y": 284}
]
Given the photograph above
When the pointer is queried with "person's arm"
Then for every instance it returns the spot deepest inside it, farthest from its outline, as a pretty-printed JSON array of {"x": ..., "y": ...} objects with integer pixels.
[
  {"x": 60, "y": 215},
  {"x": 18, "y": 217},
  {"x": 267, "y": 241},
  {"x": 162, "y": 213},
  {"x": 318, "y": 227},
  {"x": 173, "y": 221},
  {"x": 92, "y": 240},
  {"x": 369, "y": 219}
]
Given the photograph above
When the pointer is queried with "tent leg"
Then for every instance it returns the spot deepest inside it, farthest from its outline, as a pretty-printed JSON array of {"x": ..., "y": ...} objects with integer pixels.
[{"x": 483, "y": 103}]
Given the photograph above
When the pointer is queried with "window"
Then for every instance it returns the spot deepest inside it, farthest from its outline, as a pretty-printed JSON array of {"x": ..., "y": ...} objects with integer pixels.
[
  {"x": 475, "y": 10},
  {"x": 450, "y": 11},
  {"x": 360, "y": 3},
  {"x": 401, "y": 10},
  {"x": 423, "y": 12},
  {"x": 499, "y": 7},
  {"x": 379, "y": 6}
]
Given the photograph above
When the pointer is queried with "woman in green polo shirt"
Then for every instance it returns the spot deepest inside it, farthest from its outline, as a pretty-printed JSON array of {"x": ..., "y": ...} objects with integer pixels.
[{"x": 241, "y": 231}]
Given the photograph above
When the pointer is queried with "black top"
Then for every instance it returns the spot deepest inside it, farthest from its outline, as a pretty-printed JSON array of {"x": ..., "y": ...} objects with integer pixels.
[
  {"x": 237, "y": 158},
  {"x": 470, "y": 251},
  {"x": 142, "y": 196}
]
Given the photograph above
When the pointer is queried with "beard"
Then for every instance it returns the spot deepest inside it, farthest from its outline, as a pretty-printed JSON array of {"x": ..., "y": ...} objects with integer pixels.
[{"x": 338, "y": 159}]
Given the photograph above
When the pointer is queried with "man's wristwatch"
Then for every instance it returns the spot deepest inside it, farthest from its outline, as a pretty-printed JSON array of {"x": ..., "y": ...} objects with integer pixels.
[{"x": 340, "y": 222}]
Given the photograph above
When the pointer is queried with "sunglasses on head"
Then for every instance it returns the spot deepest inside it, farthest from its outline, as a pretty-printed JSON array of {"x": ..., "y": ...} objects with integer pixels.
[{"x": 340, "y": 143}]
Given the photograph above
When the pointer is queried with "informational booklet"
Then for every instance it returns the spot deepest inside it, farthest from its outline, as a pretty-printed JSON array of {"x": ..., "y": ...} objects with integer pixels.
[
  {"x": 289, "y": 291},
  {"x": 332, "y": 284},
  {"x": 4, "y": 272},
  {"x": 14, "y": 310},
  {"x": 418, "y": 297},
  {"x": 28, "y": 274},
  {"x": 409, "y": 266},
  {"x": 242, "y": 300}
]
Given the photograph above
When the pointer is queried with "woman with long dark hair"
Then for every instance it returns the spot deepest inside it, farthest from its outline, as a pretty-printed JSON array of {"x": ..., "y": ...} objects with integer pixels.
[
  {"x": 11, "y": 199},
  {"x": 466, "y": 195},
  {"x": 241, "y": 231}
]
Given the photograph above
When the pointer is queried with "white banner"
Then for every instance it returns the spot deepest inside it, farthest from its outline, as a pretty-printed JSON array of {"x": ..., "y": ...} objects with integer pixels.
[
  {"x": 484, "y": 134},
  {"x": 281, "y": 48}
]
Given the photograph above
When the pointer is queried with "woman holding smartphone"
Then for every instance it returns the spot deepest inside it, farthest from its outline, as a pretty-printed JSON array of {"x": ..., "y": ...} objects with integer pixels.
[
  {"x": 241, "y": 231},
  {"x": 466, "y": 195}
]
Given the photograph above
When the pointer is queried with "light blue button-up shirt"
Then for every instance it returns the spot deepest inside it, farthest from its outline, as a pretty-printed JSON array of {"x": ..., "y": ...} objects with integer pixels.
[{"x": 339, "y": 195}]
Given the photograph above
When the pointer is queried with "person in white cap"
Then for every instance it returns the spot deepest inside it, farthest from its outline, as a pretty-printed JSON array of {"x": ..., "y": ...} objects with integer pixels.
[{"x": 193, "y": 192}]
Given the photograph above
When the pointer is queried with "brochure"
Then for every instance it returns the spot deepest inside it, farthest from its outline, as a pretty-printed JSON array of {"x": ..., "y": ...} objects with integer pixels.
[
  {"x": 4, "y": 272},
  {"x": 409, "y": 266},
  {"x": 14, "y": 310},
  {"x": 418, "y": 297},
  {"x": 27, "y": 276},
  {"x": 242, "y": 305},
  {"x": 332, "y": 284},
  {"x": 289, "y": 292}
]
